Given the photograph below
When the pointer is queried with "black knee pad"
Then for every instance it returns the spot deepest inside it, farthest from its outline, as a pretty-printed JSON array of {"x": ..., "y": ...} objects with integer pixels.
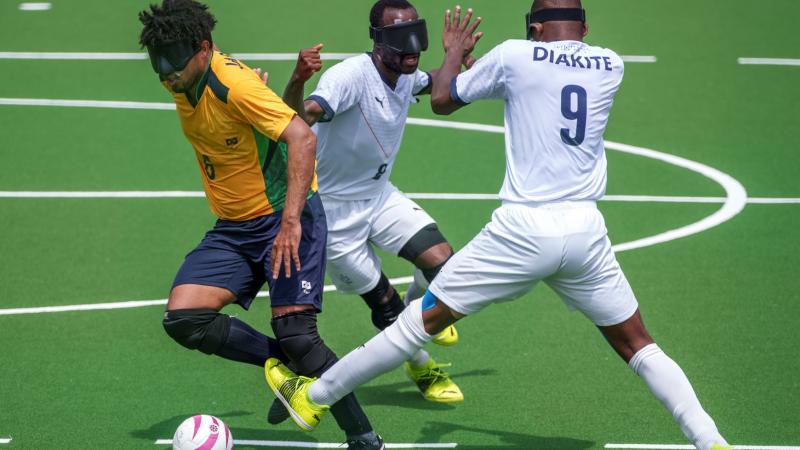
[
  {"x": 198, "y": 329},
  {"x": 299, "y": 339},
  {"x": 431, "y": 273},
  {"x": 385, "y": 303},
  {"x": 421, "y": 242}
]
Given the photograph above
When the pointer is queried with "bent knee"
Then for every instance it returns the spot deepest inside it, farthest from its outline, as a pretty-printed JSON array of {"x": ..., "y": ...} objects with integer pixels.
[{"x": 205, "y": 330}]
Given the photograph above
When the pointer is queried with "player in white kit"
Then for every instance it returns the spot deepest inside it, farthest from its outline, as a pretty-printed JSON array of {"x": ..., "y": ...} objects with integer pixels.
[
  {"x": 359, "y": 110},
  {"x": 558, "y": 92}
]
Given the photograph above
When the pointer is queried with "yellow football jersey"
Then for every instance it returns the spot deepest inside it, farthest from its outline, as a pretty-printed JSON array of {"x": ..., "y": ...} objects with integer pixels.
[{"x": 234, "y": 129}]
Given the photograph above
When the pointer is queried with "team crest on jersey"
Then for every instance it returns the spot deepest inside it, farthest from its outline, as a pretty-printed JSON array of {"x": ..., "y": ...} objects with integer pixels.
[{"x": 230, "y": 142}]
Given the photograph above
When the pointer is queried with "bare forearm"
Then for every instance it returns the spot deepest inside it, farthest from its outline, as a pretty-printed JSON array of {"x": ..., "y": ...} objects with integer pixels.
[
  {"x": 293, "y": 96},
  {"x": 442, "y": 78},
  {"x": 300, "y": 174}
]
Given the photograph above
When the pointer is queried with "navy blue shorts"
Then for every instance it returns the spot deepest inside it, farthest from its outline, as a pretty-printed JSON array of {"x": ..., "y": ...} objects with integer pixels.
[{"x": 236, "y": 256}]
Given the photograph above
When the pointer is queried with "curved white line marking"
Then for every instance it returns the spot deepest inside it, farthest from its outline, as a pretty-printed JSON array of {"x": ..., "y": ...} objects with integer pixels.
[
  {"x": 735, "y": 201},
  {"x": 736, "y": 197}
]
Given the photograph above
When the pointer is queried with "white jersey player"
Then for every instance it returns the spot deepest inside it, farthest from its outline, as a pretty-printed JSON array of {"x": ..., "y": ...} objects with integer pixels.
[
  {"x": 359, "y": 110},
  {"x": 557, "y": 92}
]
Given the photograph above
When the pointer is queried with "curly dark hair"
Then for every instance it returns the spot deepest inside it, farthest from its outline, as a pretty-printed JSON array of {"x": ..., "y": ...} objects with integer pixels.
[
  {"x": 376, "y": 14},
  {"x": 176, "y": 20}
]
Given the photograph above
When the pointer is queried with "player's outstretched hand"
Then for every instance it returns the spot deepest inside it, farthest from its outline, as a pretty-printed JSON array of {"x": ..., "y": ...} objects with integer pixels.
[
  {"x": 459, "y": 33},
  {"x": 285, "y": 248},
  {"x": 309, "y": 62}
]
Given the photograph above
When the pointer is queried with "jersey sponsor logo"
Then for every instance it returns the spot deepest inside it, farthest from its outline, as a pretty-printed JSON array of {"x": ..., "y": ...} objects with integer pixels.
[
  {"x": 541, "y": 54},
  {"x": 306, "y": 287},
  {"x": 380, "y": 100}
]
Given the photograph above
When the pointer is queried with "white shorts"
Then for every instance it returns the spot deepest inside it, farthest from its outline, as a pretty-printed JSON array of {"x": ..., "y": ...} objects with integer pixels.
[
  {"x": 388, "y": 221},
  {"x": 565, "y": 245}
]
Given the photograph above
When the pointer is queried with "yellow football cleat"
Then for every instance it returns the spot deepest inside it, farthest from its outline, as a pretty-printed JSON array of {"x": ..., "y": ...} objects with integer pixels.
[
  {"x": 434, "y": 383},
  {"x": 447, "y": 338},
  {"x": 292, "y": 391},
  {"x": 721, "y": 447}
]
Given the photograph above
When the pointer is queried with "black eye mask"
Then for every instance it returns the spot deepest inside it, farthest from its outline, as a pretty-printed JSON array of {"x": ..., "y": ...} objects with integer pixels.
[
  {"x": 405, "y": 38},
  {"x": 171, "y": 57}
]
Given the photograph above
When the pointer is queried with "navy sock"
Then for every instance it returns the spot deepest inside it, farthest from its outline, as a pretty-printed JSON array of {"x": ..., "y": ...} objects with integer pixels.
[{"x": 244, "y": 344}]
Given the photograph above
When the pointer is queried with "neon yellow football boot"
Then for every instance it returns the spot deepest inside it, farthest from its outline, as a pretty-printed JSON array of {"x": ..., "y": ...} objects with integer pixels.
[
  {"x": 447, "y": 337},
  {"x": 292, "y": 391},
  {"x": 434, "y": 383},
  {"x": 721, "y": 447}
]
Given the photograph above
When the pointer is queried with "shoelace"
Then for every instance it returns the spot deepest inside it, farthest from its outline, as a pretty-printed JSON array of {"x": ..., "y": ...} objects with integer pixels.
[
  {"x": 291, "y": 385},
  {"x": 435, "y": 373}
]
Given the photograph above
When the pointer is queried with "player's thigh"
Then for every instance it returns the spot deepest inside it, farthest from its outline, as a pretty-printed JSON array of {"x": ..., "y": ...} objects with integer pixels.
[
  {"x": 592, "y": 280},
  {"x": 351, "y": 262},
  {"x": 396, "y": 220},
  {"x": 355, "y": 272},
  {"x": 302, "y": 288},
  {"x": 503, "y": 262},
  {"x": 213, "y": 275}
]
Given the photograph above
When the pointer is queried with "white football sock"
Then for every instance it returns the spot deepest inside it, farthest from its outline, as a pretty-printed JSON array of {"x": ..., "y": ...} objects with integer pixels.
[
  {"x": 417, "y": 287},
  {"x": 384, "y": 352},
  {"x": 419, "y": 359},
  {"x": 669, "y": 384}
]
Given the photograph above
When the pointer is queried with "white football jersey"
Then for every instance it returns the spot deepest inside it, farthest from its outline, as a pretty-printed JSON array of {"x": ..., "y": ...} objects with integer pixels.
[
  {"x": 557, "y": 100},
  {"x": 359, "y": 135}
]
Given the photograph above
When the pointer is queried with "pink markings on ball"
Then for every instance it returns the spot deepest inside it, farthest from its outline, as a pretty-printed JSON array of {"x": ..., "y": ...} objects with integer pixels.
[
  {"x": 212, "y": 439},
  {"x": 197, "y": 420}
]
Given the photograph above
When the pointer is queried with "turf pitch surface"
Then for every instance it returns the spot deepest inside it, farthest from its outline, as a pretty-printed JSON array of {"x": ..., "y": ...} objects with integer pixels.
[{"x": 723, "y": 303}]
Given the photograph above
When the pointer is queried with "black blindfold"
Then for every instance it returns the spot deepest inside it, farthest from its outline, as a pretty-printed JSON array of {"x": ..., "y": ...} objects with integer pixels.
[
  {"x": 553, "y": 14},
  {"x": 171, "y": 56},
  {"x": 405, "y": 38}
]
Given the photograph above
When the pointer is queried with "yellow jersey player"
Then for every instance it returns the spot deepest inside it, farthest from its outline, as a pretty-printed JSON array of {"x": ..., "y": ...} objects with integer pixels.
[{"x": 257, "y": 162}]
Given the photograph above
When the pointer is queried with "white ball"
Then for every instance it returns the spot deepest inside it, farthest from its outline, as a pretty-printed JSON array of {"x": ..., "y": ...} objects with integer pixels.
[{"x": 202, "y": 432}]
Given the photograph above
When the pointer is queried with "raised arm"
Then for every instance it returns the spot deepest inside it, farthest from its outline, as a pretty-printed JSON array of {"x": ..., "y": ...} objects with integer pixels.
[
  {"x": 459, "y": 39},
  {"x": 309, "y": 62}
]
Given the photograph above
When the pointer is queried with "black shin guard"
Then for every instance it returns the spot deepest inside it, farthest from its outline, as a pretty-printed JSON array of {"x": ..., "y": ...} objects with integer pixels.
[
  {"x": 298, "y": 336},
  {"x": 385, "y": 303}
]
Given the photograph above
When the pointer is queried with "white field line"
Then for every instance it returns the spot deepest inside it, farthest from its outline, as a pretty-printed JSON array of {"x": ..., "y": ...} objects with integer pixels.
[
  {"x": 121, "y": 56},
  {"x": 412, "y": 195},
  {"x": 301, "y": 444},
  {"x": 140, "y": 303},
  {"x": 86, "y": 103},
  {"x": 769, "y": 61},
  {"x": 639, "y": 59},
  {"x": 5, "y": 440},
  {"x": 692, "y": 447},
  {"x": 35, "y": 6}
]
